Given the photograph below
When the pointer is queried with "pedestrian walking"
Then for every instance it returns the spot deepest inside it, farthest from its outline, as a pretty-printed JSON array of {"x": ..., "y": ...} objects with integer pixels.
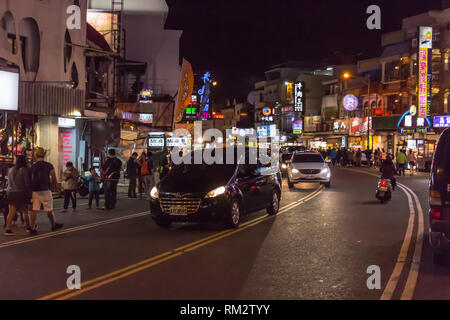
[
  {"x": 19, "y": 193},
  {"x": 350, "y": 157},
  {"x": 163, "y": 164},
  {"x": 401, "y": 161},
  {"x": 132, "y": 175},
  {"x": 94, "y": 188},
  {"x": 358, "y": 157},
  {"x": 70, "y": 185},
  {"x": 43, "y": 179},
  {"x": 333, "y": 155},
  {"x": 139, "y": 162},
  {"x": 412, "y": 160},
  {"x": 368, "y": 153},
  {"x": 111, "y": 168},
  {"x": 147, "y": 174}
]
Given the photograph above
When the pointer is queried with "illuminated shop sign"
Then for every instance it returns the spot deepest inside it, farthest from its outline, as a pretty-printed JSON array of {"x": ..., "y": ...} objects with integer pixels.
[
  {"x": 441, "y": 122},
  {"x": 9, "y": 90},
  {"x": 218, "y": 116},
  {"x": 178, "y": 142},
  {"x": 340, "y": 126},
  {"x": 297, "y": 127},
  {"x": 146, "y": 117},
  {"x": 204, "y": 92},
  {"x": 359, "y": 126},
  {"x": 424, "y": 71},
  {"x": 266, "y": 131},
  {"x": 289, "y": 87},
  {"x": 267, "y": 114},
  {"x": 299, "y": 96},
  {"x": 156, "y": 142},
  {"x": 66, "y": 122},
  {"x": 350, "y": 102},
  {"x": 287, "y": 109},
  {"x": 145, "y": 96}
]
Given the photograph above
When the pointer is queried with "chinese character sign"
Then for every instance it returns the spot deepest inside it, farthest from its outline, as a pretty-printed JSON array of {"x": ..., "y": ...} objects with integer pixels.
[
  {"x": 299, "y": 92},
  {"x": 441, "y": 122},
  {"x": 424, "y": 72}
]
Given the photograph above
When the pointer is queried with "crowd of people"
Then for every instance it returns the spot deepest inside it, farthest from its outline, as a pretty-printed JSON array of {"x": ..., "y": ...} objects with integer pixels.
[
  {"x": 357, "y": 158},
  {"x": 32, "y": 187}
]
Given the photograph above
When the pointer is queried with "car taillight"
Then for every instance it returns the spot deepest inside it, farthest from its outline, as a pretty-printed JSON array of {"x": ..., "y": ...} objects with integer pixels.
[
  {"x": 383, "y": 183},
  {"x": 435, "y": 198},
  {"x": 436, "y": 213}
]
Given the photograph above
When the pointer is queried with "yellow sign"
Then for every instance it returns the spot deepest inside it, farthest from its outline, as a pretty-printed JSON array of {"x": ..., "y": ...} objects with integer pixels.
[
  {"x": 289, "y": 91},
  {"x": 184, "y": 91}
]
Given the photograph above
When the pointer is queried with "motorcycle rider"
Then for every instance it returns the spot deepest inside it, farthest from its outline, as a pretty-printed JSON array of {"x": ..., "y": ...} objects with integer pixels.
[{"x": 388, "y": 171}]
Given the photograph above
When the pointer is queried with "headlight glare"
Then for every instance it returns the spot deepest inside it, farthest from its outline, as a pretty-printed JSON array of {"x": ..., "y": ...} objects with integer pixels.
[
  {"x": 295, "y": 171},
  {"x": 154, "y": 193},
  {"x": 216, "y": 192}
]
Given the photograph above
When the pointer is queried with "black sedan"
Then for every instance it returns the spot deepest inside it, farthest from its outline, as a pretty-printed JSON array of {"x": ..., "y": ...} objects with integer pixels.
[{"x": 215, "y": 192}]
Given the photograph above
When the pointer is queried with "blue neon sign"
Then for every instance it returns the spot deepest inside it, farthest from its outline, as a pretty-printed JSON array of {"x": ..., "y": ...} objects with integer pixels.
[{"x": 205, "y": 91}]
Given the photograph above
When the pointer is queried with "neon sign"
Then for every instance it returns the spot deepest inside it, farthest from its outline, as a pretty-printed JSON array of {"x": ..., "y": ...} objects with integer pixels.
[
  {"x": 299, "y": 99},
  {"x": 205, "y": 91},
  {"x": 424, "y": 72}
]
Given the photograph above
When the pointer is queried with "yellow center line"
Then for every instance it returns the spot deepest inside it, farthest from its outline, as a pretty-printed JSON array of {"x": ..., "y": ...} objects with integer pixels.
[{"x": 150, "y": 262}]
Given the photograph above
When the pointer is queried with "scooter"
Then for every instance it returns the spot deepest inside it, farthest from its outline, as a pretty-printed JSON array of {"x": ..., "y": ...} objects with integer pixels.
[{"x": 384, "y": 190}]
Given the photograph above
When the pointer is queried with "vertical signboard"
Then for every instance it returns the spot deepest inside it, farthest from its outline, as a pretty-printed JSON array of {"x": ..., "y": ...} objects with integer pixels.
[
  {"x": 289, "y": 87},
  {"x": 299, "y": 96},
  {"x": 424, "y": 71}
]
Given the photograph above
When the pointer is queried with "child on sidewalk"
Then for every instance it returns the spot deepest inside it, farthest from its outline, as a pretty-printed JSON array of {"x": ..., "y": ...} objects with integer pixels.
[{"x": 94, "y": 188}]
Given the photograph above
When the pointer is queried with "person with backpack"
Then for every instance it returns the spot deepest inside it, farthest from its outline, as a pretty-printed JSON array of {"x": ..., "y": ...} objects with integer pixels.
[
  {"x": 147, "y": 173},
  {"x": 19, "y": 193},
  {"x": 111, "y": 169},
  {"x": 70, "y": 183},
  {"x": 43, "y": 178}
]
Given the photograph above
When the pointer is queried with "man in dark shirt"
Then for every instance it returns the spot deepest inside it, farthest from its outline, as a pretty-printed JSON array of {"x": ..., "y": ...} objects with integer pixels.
[
  {"x": 43, "y": 177},
  {"x": 111, "y": 169},
  {"x": 132, "y": 175}
]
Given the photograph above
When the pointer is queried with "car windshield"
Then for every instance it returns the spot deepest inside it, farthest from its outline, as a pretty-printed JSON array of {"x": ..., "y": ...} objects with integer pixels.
[
  {"x": 286, "y": 157},
  {"x": 217, "y": 172},
  {"x": 307, "y": 158}
]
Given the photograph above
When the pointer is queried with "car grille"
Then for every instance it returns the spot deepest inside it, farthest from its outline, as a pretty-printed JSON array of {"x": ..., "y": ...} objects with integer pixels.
[
  {"x": 167, "y": 201},
  {"x": 310, "y": 171}
]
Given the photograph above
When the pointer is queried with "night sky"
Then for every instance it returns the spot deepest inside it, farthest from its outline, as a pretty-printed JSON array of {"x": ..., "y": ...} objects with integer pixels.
[{"x": 237, "y": 40}]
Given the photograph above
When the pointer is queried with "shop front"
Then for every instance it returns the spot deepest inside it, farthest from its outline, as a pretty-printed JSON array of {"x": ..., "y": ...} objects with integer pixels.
[
  {"x": 358, "y": 133},
  {"x": 417, "y": 135},
  {"x": 341, "y": 131}
]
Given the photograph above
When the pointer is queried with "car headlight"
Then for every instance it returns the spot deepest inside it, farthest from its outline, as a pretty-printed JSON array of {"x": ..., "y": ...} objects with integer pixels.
[
  {"x": 154, "y": 193},
  {"x": 216, "y": 192},
  {"x": 295, "y": 171},
  {"x": 324, "y": 171},
  {"x": 284, "y": 166}
]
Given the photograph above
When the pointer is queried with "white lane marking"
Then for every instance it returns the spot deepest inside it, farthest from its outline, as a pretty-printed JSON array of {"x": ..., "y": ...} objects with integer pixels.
[
  {"x": 70, "y": 230},
  {"x": 401, "y": 259},
  {"x": 408, "y": 291},
  {"x": 101, "y": 223}
]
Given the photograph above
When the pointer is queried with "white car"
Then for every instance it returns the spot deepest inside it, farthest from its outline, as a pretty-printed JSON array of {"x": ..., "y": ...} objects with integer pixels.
[{"x": 308, "y": 167}]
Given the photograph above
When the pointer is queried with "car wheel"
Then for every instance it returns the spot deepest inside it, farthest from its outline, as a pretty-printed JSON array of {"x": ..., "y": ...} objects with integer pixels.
[
  {"x": 440, "y": 259},
  {"x": 163, "y": 223},
  {"x": 274, "y": 205},
  {"x": 290, "y": 184},
  {"x": 327, "y": 184},
  {"x": 234, "y": 215}
]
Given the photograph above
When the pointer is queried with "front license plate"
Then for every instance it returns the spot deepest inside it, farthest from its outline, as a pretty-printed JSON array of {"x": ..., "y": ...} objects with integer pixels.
[
  {"x": 178, "y": 210},
  {"x": 310, "y": 177}
]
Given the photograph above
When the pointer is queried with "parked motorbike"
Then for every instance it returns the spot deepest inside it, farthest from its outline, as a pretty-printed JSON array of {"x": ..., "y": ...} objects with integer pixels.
[{"x": 384, "y": 190}]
